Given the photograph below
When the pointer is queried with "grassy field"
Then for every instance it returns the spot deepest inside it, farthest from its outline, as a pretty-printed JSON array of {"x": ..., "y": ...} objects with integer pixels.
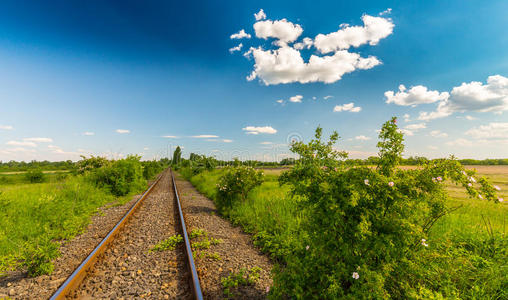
[{"x": 465, "y": 244}]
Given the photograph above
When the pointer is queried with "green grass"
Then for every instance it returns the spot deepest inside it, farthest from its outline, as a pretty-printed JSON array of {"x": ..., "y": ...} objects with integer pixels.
[
  {"x": 20, "y": 178},
  {"x": 34, "y": 216}
]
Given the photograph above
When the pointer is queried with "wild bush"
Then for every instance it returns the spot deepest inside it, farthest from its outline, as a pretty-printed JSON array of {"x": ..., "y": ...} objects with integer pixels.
[
  {"x": 151, "y": 168},
  {"x": 364, "y": 225},
  {"x": 120, "y": 176},
  {"x": 235, "y": 184},
  {"x": 35, "y": 176}
]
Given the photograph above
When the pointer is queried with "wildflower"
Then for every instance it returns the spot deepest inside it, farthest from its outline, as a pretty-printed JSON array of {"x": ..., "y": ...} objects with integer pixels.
[
  {"x": 324, "y": 168},
  {"x": 433, "y": 179},
  {"x": 439, "y": 178},
  {"x": 307, "y": 248},
  {"x": 424, "y": 243},
  {"x": 366, "y": 181},
  {"x": 480, "y": 196},
  {"x": 500, "y": 199},
  {"x": 391, "y": 183},
  {"x": 472, "y": 179},
  {"x": 464, "y": 172},
  {"x": 267, "y": 289},
  {"x": 469, "y": 184},
  {"x": 356, "y": 275},
  {"x": 497, "y": 187}
]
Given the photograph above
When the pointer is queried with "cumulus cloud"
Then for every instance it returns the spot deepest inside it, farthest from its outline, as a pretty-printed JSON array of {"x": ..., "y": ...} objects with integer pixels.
[
  {"x": 495, "y": 130},
  {"x": 460, "y": 143},
  {"x": 257, "y": 130},
  {"x": 414, "y": 96},
  {"x": 88, "y": 133},
  {"x": 347, "y": 107},
  {"x": 38, "y": 140},
  {"x": 240, "y": 35},
  {"x": 260, "y": 15},
  {"x": 22, "y": 144},
  {"x": 123, "y": 131},
  {"x": 386, "y": 12},
  {"x": 469, "y": 118},
  {"x": 280, "y": 101},
  {"x": 473, "y": 96},
  {"x": 205, "y": 136},
  {"x": 373, "y": 30},
  {"x": 327, "y": 97},
  {"x": 286, "y": 65},
  {"x": 6, "y": 127},
  {"x": 362, "y": 138},
  {"x": 438, "y": 134},
  {"x": 296, "y": 99},
  {"x": 282, "y": 30},
  {"x": 416, "y": 126},
  {"x": 407, "y": 118},
  {"x": 237, "y": 48}
]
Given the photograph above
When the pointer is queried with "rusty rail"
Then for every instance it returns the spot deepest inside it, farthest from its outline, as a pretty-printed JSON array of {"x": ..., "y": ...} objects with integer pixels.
[
  {"x": 192, "y": 267},
  {"x": 74, "y": 280}
]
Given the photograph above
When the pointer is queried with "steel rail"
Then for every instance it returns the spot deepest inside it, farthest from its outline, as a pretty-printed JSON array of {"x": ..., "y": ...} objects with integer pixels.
[
  {"x": 195, "y": 279},
  {"x": 74, "y": 280}
]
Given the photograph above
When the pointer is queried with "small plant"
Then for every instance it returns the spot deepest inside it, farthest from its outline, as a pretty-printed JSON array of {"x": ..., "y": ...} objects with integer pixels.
[
  {"x": 235, "y": 185},
  {"x": 204, "y": 244},
  {"x": 168, "y": 244},
  {"x": 214, "y": 256},
  {"x": 215, "y": 241},
  {"x": 195, "y": 233},
  {"x": 37, "y": 258},
  {"x": 243, "y": 277}
]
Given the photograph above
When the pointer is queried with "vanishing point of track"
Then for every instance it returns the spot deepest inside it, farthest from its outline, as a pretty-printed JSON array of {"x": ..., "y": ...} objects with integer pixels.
[{"x": 74, "y": 281}]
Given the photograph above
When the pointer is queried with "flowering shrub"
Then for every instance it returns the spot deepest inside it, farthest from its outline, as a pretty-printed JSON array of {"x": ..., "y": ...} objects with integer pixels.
[
  {"x": 235, "y": 185},
  {"x": 365, "y": 225}
]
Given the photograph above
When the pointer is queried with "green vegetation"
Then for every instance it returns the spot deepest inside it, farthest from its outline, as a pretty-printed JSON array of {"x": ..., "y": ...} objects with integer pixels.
[
  {"x": 235, "y": 184},
  {"x": 14, "y": 166},
  {"x": 35, "y": 217},
  {"x": 242, "y": 277},
  {"x": 168, "y": 244},
  {"x": 396, "y": 235}
]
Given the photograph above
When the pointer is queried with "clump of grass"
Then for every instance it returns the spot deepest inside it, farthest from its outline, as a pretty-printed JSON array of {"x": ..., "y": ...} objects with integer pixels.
[
  {"x": 168, "y": 244},
  {"x": 243, "y": 277},
  {"x": 195, "y": 233}
]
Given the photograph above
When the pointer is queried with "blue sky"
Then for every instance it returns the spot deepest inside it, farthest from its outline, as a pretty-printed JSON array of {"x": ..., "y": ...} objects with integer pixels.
[{"x": 115, "y": 77}]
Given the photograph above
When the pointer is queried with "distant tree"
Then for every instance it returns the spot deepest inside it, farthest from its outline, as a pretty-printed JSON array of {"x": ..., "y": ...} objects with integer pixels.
[{"x": 177, "y": 155}]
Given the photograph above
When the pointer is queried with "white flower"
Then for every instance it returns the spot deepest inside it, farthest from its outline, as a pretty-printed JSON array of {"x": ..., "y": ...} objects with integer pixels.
[
  {"x": 267, "y": 289},
  {"x": 356, "y": 275},
  {"x": 307, "y": 248},
  {"x": 472, "y": 179},
  {"x": 366, "y": 181},
  {"x": 497, "y": 187},
  {"x": 500, "y": 199},
  {"x": 480, "y": 196},
  {"x": 424, "y": 243},
  {"x": 391, "y": 183},
  {"x": 464, "y": 172},
  {"x": 469, "y": 184}
]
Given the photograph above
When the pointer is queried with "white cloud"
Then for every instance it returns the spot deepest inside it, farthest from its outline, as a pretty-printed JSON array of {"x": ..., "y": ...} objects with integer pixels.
[
  {"x": 314, "y": 97},
  {"x": 280, "y": 101},
  {"x": 237, "y": 48},
  {"x": 205, "y": 136},
  {"x": 362, "y": 138},
  {"x": 296, "y": 99},
  {"x": 260, "y": 15},
  {"x": 123, "y": 131},
  {"x": 416, "y": 126},
  {"x": 415, "y": 96},
  {"x": 438, "y": 134},
  {"x": 38, "y": 140},
  {"x": 146, "y": 148},
  {"x": 257, "y": 130},
  {"x": 286, "y": 65},
  {"x": 327, "y": 97},
  {"x": 6, "y": 127},
  {"x": 240, "y": 35},
  {"x": 491, "y": 131},
  {"x": 374, "y": 29},
  {"x": 432, "y": 147},
  {"x": 227, "y": 141},
  {"x": 266, "y": 143},
  {"x": 305, "y": 44},
  {"x": 347, "y": 107},
  {"x": 469, "y": 118},
  {"x": 88, "y": 133},
  {"x": 282, "y": 30},
  {"x": 407, "y": 132},
  {"x": 460, "y": 143},
  {"x": 22, "y": 144},
  {"x": 170, "y": 136},
  {"x": 407, "y": 118},
  {"x": 386, "y": 12},
  {"x": 474, "y": 96}
]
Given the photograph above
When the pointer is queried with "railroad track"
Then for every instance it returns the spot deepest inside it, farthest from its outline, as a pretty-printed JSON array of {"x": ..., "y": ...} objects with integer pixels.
[{"x": 110, "y": 265}]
